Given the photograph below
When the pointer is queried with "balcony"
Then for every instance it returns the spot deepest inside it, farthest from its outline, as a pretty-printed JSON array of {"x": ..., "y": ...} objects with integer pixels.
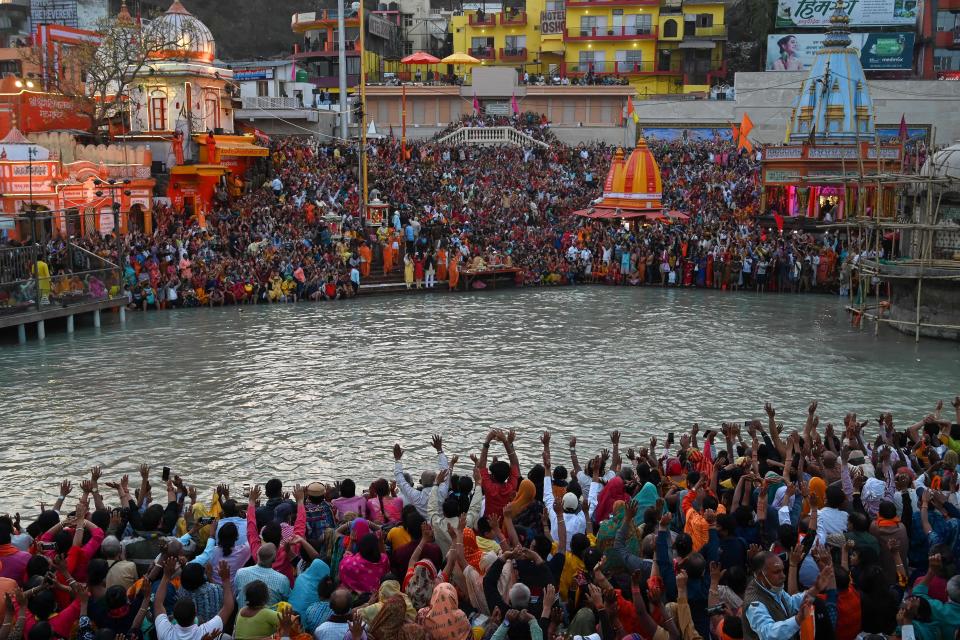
[
  {"x": 482, "y": 20},
  {"x": 483, "y": 53},
  {"x": 269, "y": 103},
  {"x": 329, "y": 48},
  {"x": 513, "y": 55},
  {"x": 305, "y": 21},
  {"x": 717, "y": 31},
  {"x": 612, "y": 68},
  {"x": 611, "y": 33},
  {"x": 514, "y": 19}
]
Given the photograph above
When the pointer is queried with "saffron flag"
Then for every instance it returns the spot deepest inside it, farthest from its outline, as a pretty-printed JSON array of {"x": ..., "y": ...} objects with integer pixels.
[
  {"x": 513, "y": 105},
  {"x": 778, "y": 219},
  {"x": 476, "y": 104},
  {"x": 746, "y": 126},
  {"x": 631, "y": 111}
]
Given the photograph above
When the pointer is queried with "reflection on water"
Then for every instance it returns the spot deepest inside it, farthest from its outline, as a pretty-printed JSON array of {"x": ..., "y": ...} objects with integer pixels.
[{"x": 320, "y": 391}]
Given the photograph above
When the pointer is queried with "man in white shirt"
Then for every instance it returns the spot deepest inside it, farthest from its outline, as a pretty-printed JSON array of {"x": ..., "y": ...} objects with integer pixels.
[
  {"x": 573, "y": 518},
  {"x": 183, "y": 626},
  {"x": 832, "y": 518},
  {"x": 277, "y": 186},
  {"x": 420, "y": 498}
]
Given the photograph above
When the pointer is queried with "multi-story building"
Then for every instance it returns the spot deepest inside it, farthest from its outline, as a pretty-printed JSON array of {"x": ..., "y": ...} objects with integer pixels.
[
  {"x": 318, "y": 52},
  {"x": 658, "y": 46},
  {"x": 940, "y": 54}
]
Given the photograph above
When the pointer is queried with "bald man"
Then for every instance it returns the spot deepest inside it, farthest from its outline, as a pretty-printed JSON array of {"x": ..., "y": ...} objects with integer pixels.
[
  {"x": 338, "y": 624},
  {"x": 277, "y": 583}
]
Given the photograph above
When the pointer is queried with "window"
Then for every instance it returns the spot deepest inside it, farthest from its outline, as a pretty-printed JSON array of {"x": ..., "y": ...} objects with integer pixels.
[
  {"x": 670, "y": 29},
  {"x": 639, "y": 24},
  {"x": 408, "y": 20},
  {"x": 947, "y": 21},
  {"x": 158, "y": 113},
  {"x": 704, "y": 19},
  {"x": 353, "y": 66},
  {"x": 593, "y": 25},
  {"x": 10, "y": 67},
  {"x": 407, "y": 47},
  {"x": 591, "y": 61},
  {"x": 263, "y": 89},
  {"x": 946, "y": 60},
  {"x": 515, "y": 45},
  {"x": 211, "y": 111},
  {"x": 555, "y": 5},
  {"x": 629, "y": 60}
]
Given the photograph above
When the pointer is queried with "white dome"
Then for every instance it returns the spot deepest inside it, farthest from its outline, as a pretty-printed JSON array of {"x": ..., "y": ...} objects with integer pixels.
[
  {"x": 193, "y": 39},
  {"x": 946, "y": 163}
]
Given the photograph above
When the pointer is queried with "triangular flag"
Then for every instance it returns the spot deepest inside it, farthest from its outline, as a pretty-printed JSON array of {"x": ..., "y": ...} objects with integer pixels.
[
  {"x": 630, "y": 110},
  {"x": 513, "y": 105},
  {"x": 746, "y": 125},
  {"x": 636, "y": 118}
]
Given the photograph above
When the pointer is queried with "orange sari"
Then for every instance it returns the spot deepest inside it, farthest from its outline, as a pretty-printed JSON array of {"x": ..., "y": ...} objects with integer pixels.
[
  {"x": 454, "y": 275},
  {"x": 442, "y": 264}
]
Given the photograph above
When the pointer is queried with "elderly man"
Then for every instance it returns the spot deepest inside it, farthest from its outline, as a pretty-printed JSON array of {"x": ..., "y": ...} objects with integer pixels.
[
  {"x": 772, "y": 614},
  {"x": 122, "y": 572},
  {"x": 276, "y": 582},
  {"x": 420, "y": 498}
]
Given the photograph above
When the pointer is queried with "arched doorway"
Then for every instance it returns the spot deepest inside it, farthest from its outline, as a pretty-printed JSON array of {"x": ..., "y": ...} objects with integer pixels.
[
  {"x": 135, "y": 221},
  {"x": 670, "y": 29}
]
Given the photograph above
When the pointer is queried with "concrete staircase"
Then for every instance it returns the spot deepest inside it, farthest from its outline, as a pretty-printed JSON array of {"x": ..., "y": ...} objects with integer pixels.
[{"x": 377, "y": 282}]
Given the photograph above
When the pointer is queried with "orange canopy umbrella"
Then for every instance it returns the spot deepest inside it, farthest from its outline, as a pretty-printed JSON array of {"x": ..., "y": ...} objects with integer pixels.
[{"x": 420, "y": 57}]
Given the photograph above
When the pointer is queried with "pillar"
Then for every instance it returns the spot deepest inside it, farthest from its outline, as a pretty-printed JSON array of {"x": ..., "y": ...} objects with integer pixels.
[
  {"x": 96, "y": 318},
  {"x": 41, "y": 330},
  {"x": 70, "y": 323},
  {"x": 22, "y": 333}
]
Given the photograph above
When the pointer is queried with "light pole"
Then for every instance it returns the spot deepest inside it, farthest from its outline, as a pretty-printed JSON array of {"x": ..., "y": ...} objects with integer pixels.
[{"x": 112, "y": 185}]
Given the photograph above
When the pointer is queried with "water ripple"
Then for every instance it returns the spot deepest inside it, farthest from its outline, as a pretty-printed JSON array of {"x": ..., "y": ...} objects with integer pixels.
[{"x": 323, "y": 391}]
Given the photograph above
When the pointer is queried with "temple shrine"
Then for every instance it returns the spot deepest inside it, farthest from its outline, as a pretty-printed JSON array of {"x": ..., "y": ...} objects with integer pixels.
[
  {"x": 633, "y": 189},
  {"x": 831, "y": 140},
  {"x": 181, "y": 105}
]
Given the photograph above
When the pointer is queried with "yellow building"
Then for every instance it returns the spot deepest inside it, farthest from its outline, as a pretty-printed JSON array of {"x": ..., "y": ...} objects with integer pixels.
[{"x": 658, "y": 46}]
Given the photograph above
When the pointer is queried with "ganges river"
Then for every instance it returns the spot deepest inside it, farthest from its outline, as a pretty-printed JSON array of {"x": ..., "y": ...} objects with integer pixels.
[{"x": 323, "y": 391}]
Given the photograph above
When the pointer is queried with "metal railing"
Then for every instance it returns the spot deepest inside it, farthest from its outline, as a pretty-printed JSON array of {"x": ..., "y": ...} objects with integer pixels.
[
  {"x": 515, "y": 54},
  {"x": 513, "y": 19},
  {"x": 492, "y": 136},
  {"x": 270, "y": 103},
  {"x": 713, "y": 31},
  {"x": 624, "y": 68},
  {"x": 483, "y": 53},
  {"x": 482, "y": 20},
  {"x": 601, "y": 33}
]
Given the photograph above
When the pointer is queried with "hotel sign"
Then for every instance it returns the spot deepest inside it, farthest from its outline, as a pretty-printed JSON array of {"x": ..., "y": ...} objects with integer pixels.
[
  {"x": 379, "y": 27},
  {"x": 552, "y": 22}
]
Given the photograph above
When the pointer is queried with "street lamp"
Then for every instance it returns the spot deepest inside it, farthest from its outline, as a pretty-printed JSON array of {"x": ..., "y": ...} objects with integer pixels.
[{"x": 113, "y": 186}]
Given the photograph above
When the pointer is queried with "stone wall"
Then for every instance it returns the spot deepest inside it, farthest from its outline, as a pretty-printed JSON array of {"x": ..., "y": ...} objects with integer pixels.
[{"x": 939, "y": 304}]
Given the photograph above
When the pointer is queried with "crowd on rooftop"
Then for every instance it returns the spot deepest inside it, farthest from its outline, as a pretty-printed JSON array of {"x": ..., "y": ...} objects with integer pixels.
[{"x": 758, "y": 530}]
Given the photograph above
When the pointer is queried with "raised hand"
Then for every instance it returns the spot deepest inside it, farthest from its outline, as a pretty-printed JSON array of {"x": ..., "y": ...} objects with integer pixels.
[
  {"x": 573, "y": 442},
  {"x": 86, "y": 486},
  {"x": 545, "y": 438},
  {"x": 771, "y": 411},
  {"x": 95, "y": 474},
  {"x": 615, "y": 437},
  {"x": 436, "y": 442},
  {"x": 255, "y": 493},
  {"x": 144, "y": 471},
  {"x": 397, "y": 451},
  {"x": 298, "y": 493},
  {"x": 442, "y": 476},
  {"x": 65, "y": 488},
  {"x": 812, "y": 409},
  {"x": 224, "y": 490},
  {"x": 511, "y": 436},
  {"x": 192, "y": 493},
  {"x": 716, "y": 573}
]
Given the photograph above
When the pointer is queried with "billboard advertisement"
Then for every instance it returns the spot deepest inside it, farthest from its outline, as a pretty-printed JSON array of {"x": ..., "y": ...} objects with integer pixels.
[
  {"x": 878, "y": 51},
  {"x": 869, "y": 13}
]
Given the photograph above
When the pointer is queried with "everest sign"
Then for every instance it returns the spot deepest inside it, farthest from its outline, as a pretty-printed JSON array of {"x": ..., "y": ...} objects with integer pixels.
[{"x": 863, "y": 13}]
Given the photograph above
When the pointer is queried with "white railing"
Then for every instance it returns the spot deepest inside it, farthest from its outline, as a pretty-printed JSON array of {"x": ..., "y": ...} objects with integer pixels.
[
  {"x": 254, "y": 102},
  {"x": 492, "y": 136}
]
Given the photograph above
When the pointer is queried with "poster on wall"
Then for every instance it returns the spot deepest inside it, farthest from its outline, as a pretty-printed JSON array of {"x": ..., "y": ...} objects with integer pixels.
[
  {"x": 553, "y": 21},
  {"x": 692, "y": 133},
  {"x": 863, "y": 13},
  {"x": 878, "y": 51}
]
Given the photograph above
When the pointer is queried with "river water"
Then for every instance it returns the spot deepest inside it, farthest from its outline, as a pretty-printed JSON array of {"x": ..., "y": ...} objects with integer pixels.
[{"x": 322, "y": 391}]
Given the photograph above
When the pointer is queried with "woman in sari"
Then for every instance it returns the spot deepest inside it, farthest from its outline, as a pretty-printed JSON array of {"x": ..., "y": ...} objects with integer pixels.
[
  {"x": 443, "y": 619},
  {"x": 419, "y": 583},
  {"x": 361, "y": 571},
  {"x": 388, "y": 591}
]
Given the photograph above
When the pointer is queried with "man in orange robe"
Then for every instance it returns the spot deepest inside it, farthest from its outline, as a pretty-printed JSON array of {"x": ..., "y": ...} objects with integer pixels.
[
  {"x": 366, "y": 256},
  {"x": 442, "y": 264},
  {"x": 454, "y": 275}
]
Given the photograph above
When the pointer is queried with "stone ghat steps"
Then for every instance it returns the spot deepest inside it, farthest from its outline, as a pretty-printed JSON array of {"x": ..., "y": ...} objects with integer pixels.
[{"x": 396, "y": 287}]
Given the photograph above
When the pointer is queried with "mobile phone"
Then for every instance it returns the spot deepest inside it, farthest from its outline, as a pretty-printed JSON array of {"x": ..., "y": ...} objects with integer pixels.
[
  {"x": 715, "y": 610},
  {"x": 670, "y": 438},
  {"x": 206, "y": 520},
  {"x": 166, "y": 474},
  {"x": 747, "y": 423}
]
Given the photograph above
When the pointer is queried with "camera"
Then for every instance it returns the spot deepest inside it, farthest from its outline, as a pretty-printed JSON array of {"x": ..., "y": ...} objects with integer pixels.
[{"x": 716, "y": 610}]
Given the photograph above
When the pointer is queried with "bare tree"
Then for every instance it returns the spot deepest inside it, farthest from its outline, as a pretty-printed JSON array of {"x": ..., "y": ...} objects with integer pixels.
[{"x": 98, "y": 75}]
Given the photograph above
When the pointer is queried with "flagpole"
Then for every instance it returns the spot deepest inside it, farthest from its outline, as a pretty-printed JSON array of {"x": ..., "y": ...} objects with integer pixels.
[
  {"x": 363, "y": 118},
  {"x": 403, "y": 123}
]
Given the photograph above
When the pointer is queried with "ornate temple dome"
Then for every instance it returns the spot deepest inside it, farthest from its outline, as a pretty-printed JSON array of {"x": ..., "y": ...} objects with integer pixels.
[
  {"x": 634, "y": 183},
  {"x": 190, "y": 38},
  {"x": 834, "y": 103}
]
